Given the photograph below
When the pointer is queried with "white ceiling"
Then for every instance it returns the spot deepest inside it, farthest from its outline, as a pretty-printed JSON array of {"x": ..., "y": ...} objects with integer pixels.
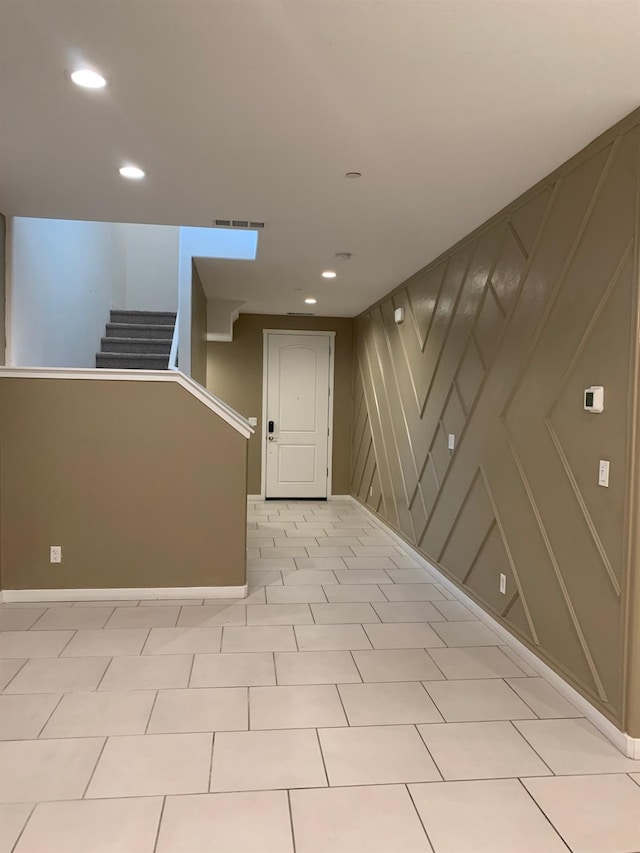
[{"x": 257, "y": 108}]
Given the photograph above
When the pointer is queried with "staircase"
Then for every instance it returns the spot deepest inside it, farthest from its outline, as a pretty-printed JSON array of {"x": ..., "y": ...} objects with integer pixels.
[{"x": 137, "y": 340}]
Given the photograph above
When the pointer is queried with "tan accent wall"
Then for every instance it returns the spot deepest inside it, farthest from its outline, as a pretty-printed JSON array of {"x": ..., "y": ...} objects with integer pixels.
[
  {"x": 502, "y": 334},
  {"x": 234, "y": 373},
  {"x": 198, "y": 329},
  {"x": 139, "y": 482}
]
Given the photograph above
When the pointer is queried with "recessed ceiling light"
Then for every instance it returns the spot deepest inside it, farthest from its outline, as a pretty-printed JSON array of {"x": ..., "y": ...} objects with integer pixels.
[
  {"x": 311, "y": 301},
  {"x": 353, "y": 174},
  {"x": 88, "y": 79},
  {"x": 329, "y": 274},
  {"x": 132, "y": 172}
]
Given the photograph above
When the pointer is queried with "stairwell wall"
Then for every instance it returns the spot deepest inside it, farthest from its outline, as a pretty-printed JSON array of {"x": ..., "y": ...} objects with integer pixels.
[
  {"x": 501, "y": 336},
  {"x": 66, "y": 276}
]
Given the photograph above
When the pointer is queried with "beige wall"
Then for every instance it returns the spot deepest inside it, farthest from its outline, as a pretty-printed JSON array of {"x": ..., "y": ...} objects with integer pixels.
[
  {"x": 502, "y": 334},
  {"x": 3, "y": 314},
  {"x": 234, "y": 373},
  {"x": 139, "y": 482},
  {"x": 198, "y": 329}
]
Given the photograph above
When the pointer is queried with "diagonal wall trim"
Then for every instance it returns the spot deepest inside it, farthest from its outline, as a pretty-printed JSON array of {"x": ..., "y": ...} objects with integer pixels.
[
  {"x": 550, "y": 303},
  {"x": 479, "y": 550},
  {"x": 588, "y": 332},
  {"x": 519, "y": 242},
  {"x": 514, "y": 569},
  {"x": 502, "y": 333},
  {"x": 583, "y": 506},
  {"x": 422, "y": 343},
  {"x": 554, "y": 562}
]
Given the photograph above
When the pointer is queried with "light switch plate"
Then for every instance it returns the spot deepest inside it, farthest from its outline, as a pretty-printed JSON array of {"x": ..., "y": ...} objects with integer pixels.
[
  {"x": 451, "y": 443},
  {"x": 253, "y": 421},
  {"x": 603, "y": 473}
]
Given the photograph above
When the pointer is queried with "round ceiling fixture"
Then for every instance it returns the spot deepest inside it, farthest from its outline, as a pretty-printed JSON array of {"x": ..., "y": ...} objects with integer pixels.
[
  {"x": 310, "y": 300},
  {"x": 88, "y": 79},
  {"x": 132, "y": 172},
  {"x": 353, "y": 175},
  {"x": 329, "y": 274}
]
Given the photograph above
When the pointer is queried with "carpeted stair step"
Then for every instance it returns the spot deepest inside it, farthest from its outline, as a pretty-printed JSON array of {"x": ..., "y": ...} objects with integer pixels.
[
  {"x": 139, "y": 330},
  {"x": 132, "y": 361},
  {"x": 151, "y": 346},
  {"x": 139, "y": 318}
]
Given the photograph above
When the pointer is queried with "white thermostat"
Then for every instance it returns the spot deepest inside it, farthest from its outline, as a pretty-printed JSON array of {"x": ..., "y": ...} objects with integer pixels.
[
  {"x": 398, "y": 315},
  {"x": 594, "y": 399}
]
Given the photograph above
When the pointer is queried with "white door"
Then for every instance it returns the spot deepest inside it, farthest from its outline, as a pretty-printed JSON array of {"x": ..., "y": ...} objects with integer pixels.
[{"x": 297, "y": 415}]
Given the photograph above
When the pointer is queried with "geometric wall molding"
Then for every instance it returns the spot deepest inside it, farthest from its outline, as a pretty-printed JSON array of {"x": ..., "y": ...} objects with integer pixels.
[{"x": 502, "y": 333}]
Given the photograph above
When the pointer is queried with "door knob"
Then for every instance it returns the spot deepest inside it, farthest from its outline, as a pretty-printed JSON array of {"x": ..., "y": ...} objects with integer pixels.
[{"x": 271, "y": 437}]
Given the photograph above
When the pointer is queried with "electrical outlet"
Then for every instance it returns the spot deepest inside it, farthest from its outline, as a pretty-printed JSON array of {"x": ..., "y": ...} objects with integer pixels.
[
  {"x": 603, "y": 473},
  {"x": 55, "y": 554},
  {"x": 503, "y": 584},
  {"x": 452, "y": 441}
]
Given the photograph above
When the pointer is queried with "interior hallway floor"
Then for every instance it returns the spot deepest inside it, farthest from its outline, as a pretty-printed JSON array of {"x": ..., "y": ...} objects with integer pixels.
[{"x": 349, "y": 705}]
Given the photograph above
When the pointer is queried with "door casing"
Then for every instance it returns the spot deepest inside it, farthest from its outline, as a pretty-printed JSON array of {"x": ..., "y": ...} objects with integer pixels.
[{"x": 265, "y": 355}]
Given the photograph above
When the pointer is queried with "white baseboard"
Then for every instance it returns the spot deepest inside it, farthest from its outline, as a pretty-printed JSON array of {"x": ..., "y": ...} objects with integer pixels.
[
  {"x": 123, "y": 594},
  {"x": 630, "y": 746},
  {"x": 330, "y": 498}
]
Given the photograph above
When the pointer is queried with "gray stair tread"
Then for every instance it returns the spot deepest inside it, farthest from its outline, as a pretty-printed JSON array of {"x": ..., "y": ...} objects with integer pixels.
[
  {"x": 133, "y": 356},
  {"x": 137, "y": 341},
  {"x": 142, "y": 326},
  {"x": 143, "y": 313}
]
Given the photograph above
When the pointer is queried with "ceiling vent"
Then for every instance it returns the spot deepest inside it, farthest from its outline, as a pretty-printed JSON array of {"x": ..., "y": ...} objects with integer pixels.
[
  {"x": 238, "y": 223},
  {"x": 301, "y": 314}
]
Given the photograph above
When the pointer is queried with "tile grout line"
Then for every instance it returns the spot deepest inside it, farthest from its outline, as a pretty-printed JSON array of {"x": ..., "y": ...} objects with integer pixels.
[
  {"x": 14, "y": 846},
  {"x": 15, "y": 674},
  {"x": 293, "y": 834},
  {"x": 74, "y": 631},
  {"x": 54, "y": 709},
  {"x": 104, "y": 672},
  {"x": 515, "y": 693},
  {"x": 532, "y": 747},
  {"x": 160, "y": 817},
  {"x": 435, "y": 704},
  {"x": 144, "y": 643},
  {"x": 540, "y": 809},
  {"x": 426, "y": 746},
  {"x": 324, "y": 764},
  {"x": 213, "y": 741},
  {"x": 344, "y": 710},
  {"x": 95, "y": 767},
  {"x": 419, "y": 816},
  {"x": 151, "y": 710}
]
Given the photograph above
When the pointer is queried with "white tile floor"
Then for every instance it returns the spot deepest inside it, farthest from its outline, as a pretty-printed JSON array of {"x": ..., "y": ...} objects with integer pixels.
[{"x": 348, "y": 705}]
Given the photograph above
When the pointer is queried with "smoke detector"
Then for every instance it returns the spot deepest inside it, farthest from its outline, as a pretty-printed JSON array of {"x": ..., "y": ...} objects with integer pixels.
[{"x": 343, "y": 256}]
